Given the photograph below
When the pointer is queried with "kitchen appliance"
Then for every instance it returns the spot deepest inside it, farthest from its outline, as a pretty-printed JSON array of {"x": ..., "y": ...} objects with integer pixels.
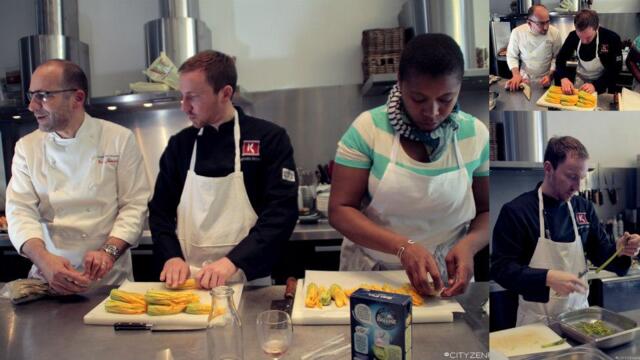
[
  {"x": 524, "y": 135},
  {"x": 178, "y": 32},
  {"x": 57, "y": 38}
]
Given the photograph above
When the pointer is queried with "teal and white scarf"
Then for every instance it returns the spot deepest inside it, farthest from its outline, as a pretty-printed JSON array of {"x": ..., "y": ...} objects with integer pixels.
[{"x": 436, "y": 141}]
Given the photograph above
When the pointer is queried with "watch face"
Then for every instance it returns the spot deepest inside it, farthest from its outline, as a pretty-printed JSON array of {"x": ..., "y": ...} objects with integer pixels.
[{"x": 111, "y": 250}]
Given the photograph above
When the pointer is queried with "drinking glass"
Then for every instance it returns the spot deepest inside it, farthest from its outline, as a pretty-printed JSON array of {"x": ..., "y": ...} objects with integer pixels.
[{"x": 274, "y": 332}]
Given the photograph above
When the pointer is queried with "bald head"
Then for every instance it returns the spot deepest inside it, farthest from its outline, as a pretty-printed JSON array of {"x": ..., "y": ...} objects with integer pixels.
[
  {"x": 67, "y": 74},
  {"x": 538, "y": 19}
]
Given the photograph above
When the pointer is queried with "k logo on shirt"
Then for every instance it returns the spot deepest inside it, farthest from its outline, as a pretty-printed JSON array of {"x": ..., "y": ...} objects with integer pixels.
[
  {"x": 251, "y": 148},
  {"x": 581, "y": 218}
]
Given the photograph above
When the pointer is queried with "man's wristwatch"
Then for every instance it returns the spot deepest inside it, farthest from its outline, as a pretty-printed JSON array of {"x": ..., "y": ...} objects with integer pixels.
[{"x": 111, "y": 250}]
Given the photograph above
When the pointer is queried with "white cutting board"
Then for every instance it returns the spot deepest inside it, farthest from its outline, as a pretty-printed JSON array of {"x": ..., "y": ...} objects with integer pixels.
[
  {"x": 629, "y": 100},
  {"x": 543, "y": 102},
  {"x": 527, "y": 339},
  {"x": 434, "y": 309},
  {"x": 99, "y": 316}
]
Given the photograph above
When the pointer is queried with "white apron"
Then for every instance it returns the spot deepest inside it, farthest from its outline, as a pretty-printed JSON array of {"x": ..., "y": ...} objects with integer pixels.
[
  {"x": 434, "y": 211},
  {"x": 536, "y": 57},
  {"x": 588, "y": 71},
  {"x": 214, "y": 213},
  {"x": 76, "y": 182},
  {"x": 560, "y": 256}
]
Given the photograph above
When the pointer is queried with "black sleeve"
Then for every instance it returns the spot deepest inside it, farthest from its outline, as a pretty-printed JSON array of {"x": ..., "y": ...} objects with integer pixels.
[
  {"x": 510, "y": 258},
  {"x": 164, "y": 204},
  {"x": 260, "y": 250},
  {"x": 567, "y": 51},
  {"x": 612, "y": 62},
  {"x": 600, "y": 247}
]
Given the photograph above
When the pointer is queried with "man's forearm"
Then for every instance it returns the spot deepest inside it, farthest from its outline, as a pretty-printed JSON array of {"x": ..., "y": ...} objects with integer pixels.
[{"x": 34, "y": 248}]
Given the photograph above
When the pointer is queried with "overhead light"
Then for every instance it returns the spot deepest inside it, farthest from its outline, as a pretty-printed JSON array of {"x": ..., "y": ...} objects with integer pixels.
[
  {"x": 147, "y": 104},
  {"x": 112, "y": 107},
  {"x": 17, "y": 117}
]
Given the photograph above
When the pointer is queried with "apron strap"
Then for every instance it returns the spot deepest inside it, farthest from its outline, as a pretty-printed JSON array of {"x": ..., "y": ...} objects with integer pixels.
[
  {"x": 236, "y": 141},
  {"x": 541, "y": 216},
  {"x": 541, "y": 212},
  {"x": 192, "y": 164},
  {"x": 597, "y": 46},
  {"x": 394, "y": 149},
  {"x": 457, "y": 150},
  {"x": 573, "y": 220}
]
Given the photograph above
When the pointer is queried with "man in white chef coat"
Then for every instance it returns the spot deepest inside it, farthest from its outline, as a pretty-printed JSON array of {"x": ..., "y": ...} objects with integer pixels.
[
  {"x": 532, "y": 49},
  {"x": 77, "y": 198}
]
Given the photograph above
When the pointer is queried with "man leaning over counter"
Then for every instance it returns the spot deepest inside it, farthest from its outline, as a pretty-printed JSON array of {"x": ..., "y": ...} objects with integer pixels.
[
  {"x": 225, "y": 201},
  {"x": 532, "y": 49},
  {"x": 77, "y": 198},
  {"x": 599, "y": 52},
  {"x": 540, "y": 239}
]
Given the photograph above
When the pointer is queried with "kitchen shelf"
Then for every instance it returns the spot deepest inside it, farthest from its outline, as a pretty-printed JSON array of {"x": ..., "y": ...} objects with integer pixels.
[{"x": 515, "y": 165}]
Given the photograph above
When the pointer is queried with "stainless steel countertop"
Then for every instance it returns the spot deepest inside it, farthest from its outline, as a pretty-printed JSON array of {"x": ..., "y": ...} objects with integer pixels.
[
  {"x": 320, "y": 231},
  {"x": 52, "y": 329},
  {"x": 516, "y": 101}
]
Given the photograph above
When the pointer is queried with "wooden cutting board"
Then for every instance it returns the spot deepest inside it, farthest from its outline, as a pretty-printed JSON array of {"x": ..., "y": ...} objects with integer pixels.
[
  {"x": 99, "y": 316},
  {"x": 543, "y": 102},
  {"x": 527, "y": 339},
  {"x": 434, "y": 309}
]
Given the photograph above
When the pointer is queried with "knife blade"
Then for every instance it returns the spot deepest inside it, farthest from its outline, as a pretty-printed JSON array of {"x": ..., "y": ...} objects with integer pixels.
[
  {"x": 286, "y": 304},
  {"x": 120, "y": 326},
  {"x": 526, "y": 90}
]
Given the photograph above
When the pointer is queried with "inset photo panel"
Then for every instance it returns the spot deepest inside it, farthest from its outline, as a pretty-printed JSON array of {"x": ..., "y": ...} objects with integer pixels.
[{"x": 564, "y": 223}]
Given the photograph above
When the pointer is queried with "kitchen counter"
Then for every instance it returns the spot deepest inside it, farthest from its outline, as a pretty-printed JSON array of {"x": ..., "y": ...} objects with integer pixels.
[
  {"x": 53, "y": 329},
  {"x": 320, "y": 231},
  {"x": 516, "y": 101}
]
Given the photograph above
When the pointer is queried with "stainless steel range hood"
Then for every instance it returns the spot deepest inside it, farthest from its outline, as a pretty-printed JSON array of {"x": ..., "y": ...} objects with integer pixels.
[
  {"x": 178, "y": 32},
  {"x": 57, "y": 38},
  {"x": 524, "y": 139}
]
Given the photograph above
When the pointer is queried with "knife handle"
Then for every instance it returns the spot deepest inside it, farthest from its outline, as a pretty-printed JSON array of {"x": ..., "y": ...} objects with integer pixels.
[
  {"x": 131, "y": 326},
  {"x": 290, "y": 290}
]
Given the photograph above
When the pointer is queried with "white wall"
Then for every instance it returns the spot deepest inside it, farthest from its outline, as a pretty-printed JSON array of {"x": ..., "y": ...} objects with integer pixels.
[
  {"x": 284, "y": 44},
  {"x": 612, "y": 138},
  {"x": 114, "y": 30}
]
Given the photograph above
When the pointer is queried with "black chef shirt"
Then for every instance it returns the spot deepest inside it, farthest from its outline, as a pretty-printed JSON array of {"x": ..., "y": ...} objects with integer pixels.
[{"x": 268, "y": 169}]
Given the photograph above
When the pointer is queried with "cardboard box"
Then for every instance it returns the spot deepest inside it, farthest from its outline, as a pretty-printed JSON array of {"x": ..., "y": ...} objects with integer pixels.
[{"x": 380, "y": 325}]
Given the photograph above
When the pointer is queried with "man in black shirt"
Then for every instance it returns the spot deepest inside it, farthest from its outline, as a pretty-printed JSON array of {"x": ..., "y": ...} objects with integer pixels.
[
  {"x": 540, "y": 238},
  {"x": 599, "y": 53},
  {"x": 225, "y": 201}
]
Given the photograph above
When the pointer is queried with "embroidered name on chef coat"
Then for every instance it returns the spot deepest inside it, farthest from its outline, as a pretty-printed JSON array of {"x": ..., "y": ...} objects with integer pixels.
[
  {"x": 581, "y": 218},
  {"x": 108, "y": 159},
  {"x": 604, "y": 48},
  {"x": 251, "y": 148}
]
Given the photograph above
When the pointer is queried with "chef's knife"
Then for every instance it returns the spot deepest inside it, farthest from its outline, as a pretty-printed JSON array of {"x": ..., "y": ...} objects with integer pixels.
[
  {"x": 158, "y": 327},
  {"x": 286, "y": 304}
]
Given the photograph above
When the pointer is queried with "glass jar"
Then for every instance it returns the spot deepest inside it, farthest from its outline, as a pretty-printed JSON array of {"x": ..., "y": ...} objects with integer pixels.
[{"x": 224, "y": 336}]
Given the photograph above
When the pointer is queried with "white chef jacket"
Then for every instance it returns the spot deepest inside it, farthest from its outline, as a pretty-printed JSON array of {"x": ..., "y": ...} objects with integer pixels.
[
  {"x": 75, "y": 193},
  {"x": 537, "y": 52}
]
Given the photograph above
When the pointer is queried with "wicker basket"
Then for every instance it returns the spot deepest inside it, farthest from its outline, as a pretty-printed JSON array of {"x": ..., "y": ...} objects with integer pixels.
[
  {"x": 383, "y": 41},
  {"x": 380, "y": 64}
]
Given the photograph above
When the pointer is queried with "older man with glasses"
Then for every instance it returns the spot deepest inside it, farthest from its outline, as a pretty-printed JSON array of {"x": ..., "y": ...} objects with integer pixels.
[
  {"x": 77, "y": 198},
  {"x": 532, "y": 49}
]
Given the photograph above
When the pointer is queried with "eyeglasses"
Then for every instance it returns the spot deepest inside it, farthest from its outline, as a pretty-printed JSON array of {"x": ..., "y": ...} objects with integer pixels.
[
  {"x": 540, "y": 23},
  {"x": 44, "y": 96}
]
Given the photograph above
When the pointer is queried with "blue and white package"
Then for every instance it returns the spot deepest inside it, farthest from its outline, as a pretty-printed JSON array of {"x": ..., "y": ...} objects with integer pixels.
[{"x": 380, "y": 325}]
